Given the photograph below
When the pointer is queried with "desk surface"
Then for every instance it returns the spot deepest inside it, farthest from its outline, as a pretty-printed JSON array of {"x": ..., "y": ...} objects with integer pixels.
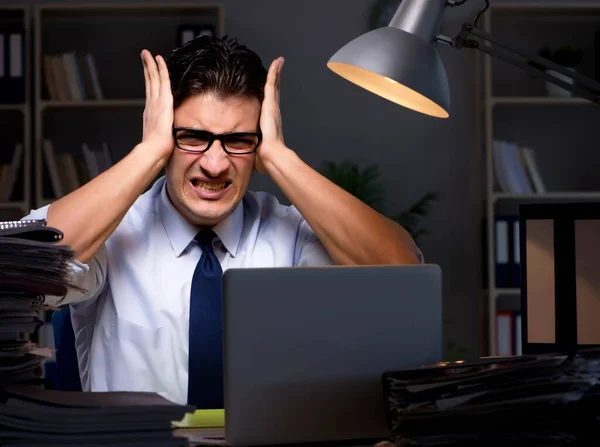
[
  {"x": 194, "y": 436},
  {"x": 194, "y": 433}
]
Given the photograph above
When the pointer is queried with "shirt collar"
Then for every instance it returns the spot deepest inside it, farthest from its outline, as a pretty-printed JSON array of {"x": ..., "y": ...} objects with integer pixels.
[{"x": 180, "y": 232}]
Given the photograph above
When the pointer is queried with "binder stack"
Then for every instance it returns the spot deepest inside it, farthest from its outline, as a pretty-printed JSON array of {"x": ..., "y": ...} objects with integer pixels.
[
  {"x": 33, "y": 265},
  {"x": 34, "y": 416},
  {"x": 544, "y": 400}
]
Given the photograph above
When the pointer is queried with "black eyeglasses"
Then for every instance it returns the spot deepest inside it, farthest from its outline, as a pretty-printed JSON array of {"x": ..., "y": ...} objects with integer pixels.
[{"x": 199, "y": 141}]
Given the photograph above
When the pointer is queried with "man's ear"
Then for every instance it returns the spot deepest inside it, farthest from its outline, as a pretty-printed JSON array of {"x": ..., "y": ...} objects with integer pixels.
[
  {"x": 164, "y": 168},
  {"x": 258, "y": 165}
]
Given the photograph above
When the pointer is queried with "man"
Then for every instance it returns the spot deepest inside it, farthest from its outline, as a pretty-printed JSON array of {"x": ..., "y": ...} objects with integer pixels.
[{"x": 211, "y": 117}]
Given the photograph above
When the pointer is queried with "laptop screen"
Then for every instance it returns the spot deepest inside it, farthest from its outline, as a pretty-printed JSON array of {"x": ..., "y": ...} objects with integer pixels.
[{"x": 560, "y": 276}]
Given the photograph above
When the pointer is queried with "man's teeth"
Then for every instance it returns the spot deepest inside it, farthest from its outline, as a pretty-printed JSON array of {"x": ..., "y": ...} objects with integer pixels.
[{"x": 211, "y": 186}]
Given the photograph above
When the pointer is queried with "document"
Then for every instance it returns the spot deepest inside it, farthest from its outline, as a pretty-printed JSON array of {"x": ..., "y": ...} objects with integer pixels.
[{"x": 543, "y": 400}]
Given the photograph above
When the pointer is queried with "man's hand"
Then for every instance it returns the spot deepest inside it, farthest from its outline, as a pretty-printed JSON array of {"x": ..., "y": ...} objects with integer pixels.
[
  {"x": 270, "y": 118},
  {"x": 351, "y": 232},
  {"x": 117, "y": 188},
  {"x": 158, "y": 112}
]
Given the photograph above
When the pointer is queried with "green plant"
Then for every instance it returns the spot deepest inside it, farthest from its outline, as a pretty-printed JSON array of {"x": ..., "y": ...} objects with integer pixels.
[
  {"x": 409, "y": 219},
  {"x": 364, "y": 184}
]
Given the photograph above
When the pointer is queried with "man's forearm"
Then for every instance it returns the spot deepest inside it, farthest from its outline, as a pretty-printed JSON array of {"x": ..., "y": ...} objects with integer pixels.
[
  {"x": 89, "y": 215},
  {"x": 352, "y": 232}
]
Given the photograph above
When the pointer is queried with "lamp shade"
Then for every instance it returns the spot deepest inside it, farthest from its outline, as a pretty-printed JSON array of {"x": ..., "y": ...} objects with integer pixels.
[{"x": 398, "y": 66}]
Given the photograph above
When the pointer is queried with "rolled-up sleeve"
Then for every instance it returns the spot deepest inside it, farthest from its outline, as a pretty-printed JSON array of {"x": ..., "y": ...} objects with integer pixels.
[
  {"x": 419, "y": 254},
  {"x": 309, "y": 249},
  {"x": 90, "y": 276}
]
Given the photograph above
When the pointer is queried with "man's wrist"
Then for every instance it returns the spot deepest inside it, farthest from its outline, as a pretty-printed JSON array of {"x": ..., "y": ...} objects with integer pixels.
[
  {"x": 278, "y": 159},
  {"x": 152, "y": 153}
]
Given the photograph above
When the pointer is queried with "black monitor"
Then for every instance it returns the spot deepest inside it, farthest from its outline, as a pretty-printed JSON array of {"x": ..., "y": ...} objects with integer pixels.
[{"x": 560, "y": 276}]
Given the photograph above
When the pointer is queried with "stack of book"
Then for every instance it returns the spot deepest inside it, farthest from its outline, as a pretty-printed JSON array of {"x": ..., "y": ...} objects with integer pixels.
[
  {"x": 516, "y": 168},
  {"x": 545, "y": 400},
  {"x": 71, "y": 76},
  {"x": 68, "y": 171},
  {"x": 33, "y": 265}
]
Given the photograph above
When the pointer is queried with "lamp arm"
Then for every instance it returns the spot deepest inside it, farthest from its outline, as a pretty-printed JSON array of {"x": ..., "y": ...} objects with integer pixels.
[{"x": 582, "y": 86}]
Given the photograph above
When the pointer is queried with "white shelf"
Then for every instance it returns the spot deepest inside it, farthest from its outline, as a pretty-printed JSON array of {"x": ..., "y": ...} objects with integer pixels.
[
  {"x": 522, "y": 14},
  {"x": 499, "y": 292},
  {"x": 549, "y": 7},
  {"x": 573, "y": 195},
  {"x": 93, "y": 103},
  {"x": 538, "y": 101}
]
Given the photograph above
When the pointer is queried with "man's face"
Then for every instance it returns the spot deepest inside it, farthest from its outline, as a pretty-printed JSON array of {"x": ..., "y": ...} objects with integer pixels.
[{"x": 205, "y": 188}]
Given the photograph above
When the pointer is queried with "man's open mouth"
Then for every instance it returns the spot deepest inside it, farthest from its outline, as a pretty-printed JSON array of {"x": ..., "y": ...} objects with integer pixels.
[{"x": 209, "y": 186}]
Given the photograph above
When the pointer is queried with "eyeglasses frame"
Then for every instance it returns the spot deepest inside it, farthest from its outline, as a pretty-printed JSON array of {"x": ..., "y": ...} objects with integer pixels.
[{"x": 214, "y": 137}]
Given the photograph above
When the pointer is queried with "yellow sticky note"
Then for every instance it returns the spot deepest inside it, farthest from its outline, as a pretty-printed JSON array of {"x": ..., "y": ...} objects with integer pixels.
[{"x": 202, "y": 419}]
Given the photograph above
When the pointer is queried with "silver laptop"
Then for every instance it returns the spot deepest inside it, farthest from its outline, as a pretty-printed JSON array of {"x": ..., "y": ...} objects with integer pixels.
[{"x": 305, "y": 349}]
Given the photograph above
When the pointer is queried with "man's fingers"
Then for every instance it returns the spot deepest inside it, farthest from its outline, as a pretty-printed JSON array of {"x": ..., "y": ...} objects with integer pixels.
[
  {"x": 152, "y": 74},
  {"x": 155, "y": 78},
  {"x": 278, "y": 83},
  {"x": 146, "y": 75},
  {"x": 278, "y": 77},
  {"x": 271, "y": 75},
  {"x": 163, "y": 72},
  {"x": 271, "y": 84}
]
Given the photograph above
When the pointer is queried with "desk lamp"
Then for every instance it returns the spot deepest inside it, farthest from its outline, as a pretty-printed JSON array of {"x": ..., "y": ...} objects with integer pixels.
[{"x": 400, "y": 62}]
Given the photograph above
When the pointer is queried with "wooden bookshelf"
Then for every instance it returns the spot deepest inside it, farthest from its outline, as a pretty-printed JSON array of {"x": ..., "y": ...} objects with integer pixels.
[
  {"x": 106, "y": 111},
  {"x": 547, "y": 8},
  {"x": 137, "y": 102},
  {"x": 517, "y": 108},
  {"x": 15, "y": 195},
  {"x": 539, "y": 101},
  {"x": 553, "y": 196}
]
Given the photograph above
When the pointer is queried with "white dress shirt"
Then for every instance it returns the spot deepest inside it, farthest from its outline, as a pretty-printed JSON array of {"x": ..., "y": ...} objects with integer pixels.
[{"x": 131, "y": 327}]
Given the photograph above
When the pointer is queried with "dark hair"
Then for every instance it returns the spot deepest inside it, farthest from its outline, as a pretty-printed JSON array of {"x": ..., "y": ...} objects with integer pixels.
[{"x": 210, "y": 64}]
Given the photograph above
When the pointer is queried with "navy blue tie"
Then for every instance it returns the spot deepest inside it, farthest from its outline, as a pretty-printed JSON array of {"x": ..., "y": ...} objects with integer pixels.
[{"x": 205, "y": 382}]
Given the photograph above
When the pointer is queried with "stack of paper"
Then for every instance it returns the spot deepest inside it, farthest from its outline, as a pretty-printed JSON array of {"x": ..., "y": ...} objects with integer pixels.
[
  {"x": 31, "y": 265},
  {"x": 545, "y": 400},
  {"x": 31, "y": 262},
  {"x": 30, "y": 415}
]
